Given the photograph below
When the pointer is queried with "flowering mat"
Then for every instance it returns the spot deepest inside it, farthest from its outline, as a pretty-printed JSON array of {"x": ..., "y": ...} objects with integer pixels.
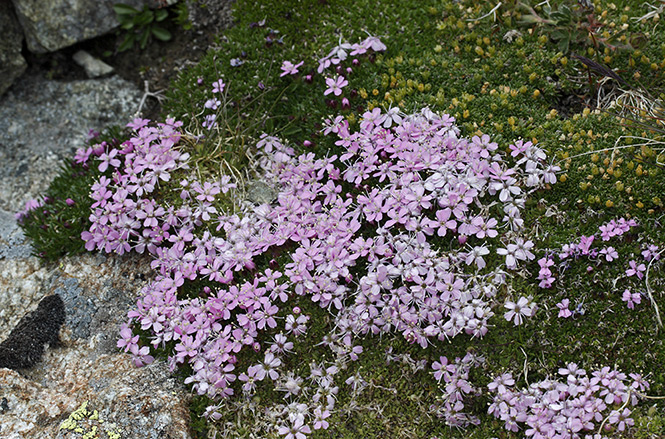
[{"x": 367, "y": 220}]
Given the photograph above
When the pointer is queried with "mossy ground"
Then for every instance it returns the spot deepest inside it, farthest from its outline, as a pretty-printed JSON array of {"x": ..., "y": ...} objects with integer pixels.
[{"x": 454, "y": 58}]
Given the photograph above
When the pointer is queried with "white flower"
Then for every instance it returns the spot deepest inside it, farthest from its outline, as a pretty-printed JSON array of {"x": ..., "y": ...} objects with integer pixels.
[
  {"x": 391, "y": 116},
  {"x": 523, "y": 307},
  {"x": 291, "y": 385},
  {"x": 476, "y": 255},
  {"x": 509, "y": 253}
]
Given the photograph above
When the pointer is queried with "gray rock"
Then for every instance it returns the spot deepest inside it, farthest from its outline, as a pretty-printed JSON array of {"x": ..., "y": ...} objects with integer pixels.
[
  {"x": 86, "y": 369},
  {"x": 49, "y": 25},
  {"x": 259, "y": 192},
  {"x": 78, "y": 309},
  {"x": 12, "y": 64},
  {"x": 93, "y": 67},
  {"x": 43, "y": 122},
  {"x": 12, "y": 241}
]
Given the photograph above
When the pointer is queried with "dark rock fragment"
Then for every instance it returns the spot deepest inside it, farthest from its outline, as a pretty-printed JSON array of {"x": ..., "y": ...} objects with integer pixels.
[{"x": 24, "y": 346}]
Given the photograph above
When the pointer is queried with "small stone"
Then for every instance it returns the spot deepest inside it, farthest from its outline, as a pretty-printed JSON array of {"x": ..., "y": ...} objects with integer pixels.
[
  {"x": 261, "y": 193},
  {"x": 94, "y": 67}
]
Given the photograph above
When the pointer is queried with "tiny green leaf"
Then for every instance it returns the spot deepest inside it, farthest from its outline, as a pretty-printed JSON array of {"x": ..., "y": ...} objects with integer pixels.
[
  {"x": 122, "y": 9},
  {"x": 161, "y": 34},
  {"x": 144, "y": 18},
  {"x": 127, "y": 43},
  {"x": 161, "y": 14},
  {"x": 143, "y": 41}
]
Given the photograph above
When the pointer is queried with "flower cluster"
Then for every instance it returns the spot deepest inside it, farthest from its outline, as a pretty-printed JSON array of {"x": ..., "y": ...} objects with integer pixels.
[
  {"x": 124, "y": 214},
  {"x": 425, "y": 183},
  {"x": 30, "y": 205},
  {"x": 214, "y": 104},
  {"x": 545, "y": 274},
  {"x": 577, "y": 407},
  {"x": 614, "y": 229},
  {"x": 341, "y": 52},
  {"x": 455, "y": 387},
  {"x": 337, "y": 56},
  {"x": 398, "y": 234},
  {"x": 607, "y": 231}
]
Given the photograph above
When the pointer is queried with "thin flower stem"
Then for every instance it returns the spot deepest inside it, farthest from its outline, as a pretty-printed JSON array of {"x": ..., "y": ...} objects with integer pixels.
[
  {"x": 642, "y": 395},
  {"x": 649, "y": 292},
  {"x": 526, "y": 367}
]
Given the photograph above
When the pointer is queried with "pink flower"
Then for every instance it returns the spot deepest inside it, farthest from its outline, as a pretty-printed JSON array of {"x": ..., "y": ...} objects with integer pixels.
[
  {"x": 610, "y": 254},
  {"x": 371, "y": 119},
  {"x": 622, "y": 419},
  {"x": 651, "y": 253},
  {"x": 319, "y": 418},
  {"x": 519, "y": 148},
  {"x": 324, "y": 63},
  {"x": 476, "y": 255},
  {"x": 218, "y": 86},
  {"x": 545, "y": 274},
  {"x": 501, "y": 382},
  {"x": 563, "y": 309},
  {"x": 212, "y": 104},
  {"x": 138, "y": 123},
  {"x": 82, "y": 155},
  {"x": 288, "y": 68},
  {"x": 636, "y": 270},
  {"x": 374, "y": 43},
  {"x": 296, "y": 430},
  {"x": 127, "y": 341},
  {"x": 442, "y": 367},
  {"x": 108, "y": 159},
  {"x": 607, "y": 231},
  {"x": 585, "y": 244},
  {"x": 631, "y": 298},
  {"x": 335, "y": 85}
]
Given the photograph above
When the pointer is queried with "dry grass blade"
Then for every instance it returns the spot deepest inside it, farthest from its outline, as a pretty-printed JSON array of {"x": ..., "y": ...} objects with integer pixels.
[
  {"x": 650, "y": 293},
  {"x": 655, "y": 10}
]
